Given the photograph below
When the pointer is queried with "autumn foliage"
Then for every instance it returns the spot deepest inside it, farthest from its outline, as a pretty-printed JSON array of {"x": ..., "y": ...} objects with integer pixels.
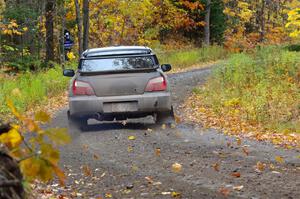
[{"x": 35, "y": 148}]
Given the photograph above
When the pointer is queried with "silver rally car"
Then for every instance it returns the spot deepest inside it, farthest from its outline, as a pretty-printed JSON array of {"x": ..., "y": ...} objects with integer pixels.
[{"x": 119, "y": 83}]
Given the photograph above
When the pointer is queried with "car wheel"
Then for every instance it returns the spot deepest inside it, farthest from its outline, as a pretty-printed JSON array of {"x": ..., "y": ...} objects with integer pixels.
[
  {"x": 165, "y": 117},
  {"x": 77, "y": 124}
]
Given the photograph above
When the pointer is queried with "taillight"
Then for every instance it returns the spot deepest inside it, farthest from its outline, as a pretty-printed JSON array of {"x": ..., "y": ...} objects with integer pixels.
[
  {"x": 82, "y": 88},
  {"x": 156, "y": 84}
]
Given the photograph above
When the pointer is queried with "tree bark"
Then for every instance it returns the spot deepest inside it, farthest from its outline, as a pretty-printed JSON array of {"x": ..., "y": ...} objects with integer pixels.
[
  {"x": 207, "y": 23},
  {"x": 50, "y": 9},
  {"x": 86, "y": 24},
  {"x": 79, "y": 27},
  {"x": 262, "y": 21}
]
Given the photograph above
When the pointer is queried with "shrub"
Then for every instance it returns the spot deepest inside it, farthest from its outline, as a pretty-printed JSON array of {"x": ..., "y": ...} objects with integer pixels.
[
  {"x": 187, "y": 57},
  {"x": 263, "y": 87}
]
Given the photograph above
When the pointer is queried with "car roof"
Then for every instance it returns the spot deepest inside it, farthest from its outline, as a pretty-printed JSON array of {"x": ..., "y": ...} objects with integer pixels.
[{"x": 117, "y": 50}]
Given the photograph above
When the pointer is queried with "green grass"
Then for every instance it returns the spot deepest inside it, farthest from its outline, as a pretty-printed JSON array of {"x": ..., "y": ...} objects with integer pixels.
[
  {"x": 181, "y": 59},
  {"x": 264, "y": 87},
  {"x": 30, "y": 89}
]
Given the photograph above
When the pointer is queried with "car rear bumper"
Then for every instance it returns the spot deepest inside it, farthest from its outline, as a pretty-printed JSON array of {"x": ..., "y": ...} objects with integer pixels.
[{"x": 145, "y": 103}]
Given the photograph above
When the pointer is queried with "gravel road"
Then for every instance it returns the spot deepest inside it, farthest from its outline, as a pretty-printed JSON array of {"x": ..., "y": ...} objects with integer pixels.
[{"x": 103, "y": 161}]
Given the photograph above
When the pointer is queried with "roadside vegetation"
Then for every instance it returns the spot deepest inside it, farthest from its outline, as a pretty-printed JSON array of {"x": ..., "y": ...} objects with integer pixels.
[
  {"x": 27, "y": 90},
  {"x": 256, "y": 93},
  {"x": 185, "y": 58}
]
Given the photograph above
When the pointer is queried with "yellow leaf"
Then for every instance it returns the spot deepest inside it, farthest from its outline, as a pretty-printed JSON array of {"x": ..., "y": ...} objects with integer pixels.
[
  {"x": 59, "y": 136},
  {"x": 176, "y": 167},
  {"x": 108, "y": 195},
  {"x": 131, "y": 137},
  {"x": 70, "y": 55},
  {"x": 157, "y": 151},
  {"x": 30, "y": 168},
  {"x": 175, "y": 194},
  {"x": 11, "y": 139},
  {"x": 42, "y": 116},
  {"x": 25, "y": 29},
  {"x": 129, "y": 149},
  {"x": 49, "y": 153},
  {"x": 279, "y": 159}
]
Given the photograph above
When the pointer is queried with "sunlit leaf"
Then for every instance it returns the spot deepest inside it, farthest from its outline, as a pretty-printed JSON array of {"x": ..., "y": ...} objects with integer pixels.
[
  {"x": 131, "y": 137},
  {"x": 216, "y": 166},
  {"x": 236, "y": 174},
  {"x": 42, "y": 116},
  {"x": 224, "y": 191},
  {"x": 12, "y": 138},
  {"x": 279, "y": 159},
  {"x": 176, "y": 167}
]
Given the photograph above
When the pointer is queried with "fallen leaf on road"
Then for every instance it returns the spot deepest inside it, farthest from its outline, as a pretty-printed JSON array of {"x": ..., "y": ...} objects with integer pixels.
[
  {"x": 275, "y": 172},
  {"x": 96, "y": 157},
  {"x": 238, "y": 141},
  {"x": 156, "y": 183},
  {"x": 86, "y": 170},
  {"x": 175, "y": 194},
  {"x": 272, "y": 166},
  {"x": 228, "y": 144},
  {"x": 279, "y": 159},
  {"x": 260, "y": 166},
  {"x": 149, "y": 179},
  {"x": 216, "y": 166},
  {"x": 238, "y": 188},
  {"x": 225, "y": 192},
  {"x": 103, "y": 174},
  {"x": 129, "y": 149},
  {"x": 246, "y": 151},
  {"x": 108, "y": 195},
  {"x": 177, "y": 119},
  {"x": 236, "y": 174},
  {"x": 176, "y": 167},
  {"x": 157, "y": 151},
  {"x": 131, "y": 137},
  {"x": 163, "y": 126},
  {"x": 127, "y": 191}
]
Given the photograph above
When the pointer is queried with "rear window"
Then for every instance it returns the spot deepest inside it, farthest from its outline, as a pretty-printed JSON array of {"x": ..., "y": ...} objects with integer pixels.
[{"x": 119, "y": 63}]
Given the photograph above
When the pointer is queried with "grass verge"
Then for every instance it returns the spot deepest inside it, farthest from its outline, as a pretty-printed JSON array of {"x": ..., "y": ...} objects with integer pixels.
[
  {"x": 28, "y": 90},
  {"x": 186, "y": 58},
  {"x": 257, "y": 94}
]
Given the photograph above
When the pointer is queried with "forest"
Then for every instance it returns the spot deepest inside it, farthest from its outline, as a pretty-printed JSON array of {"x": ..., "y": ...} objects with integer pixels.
[
  {"x": 251, "y": 47},
  {"x": 32, "y": 31}
]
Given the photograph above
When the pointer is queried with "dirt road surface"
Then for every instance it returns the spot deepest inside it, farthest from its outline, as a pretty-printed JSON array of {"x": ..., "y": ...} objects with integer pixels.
[{"x": 104, "y": 163}]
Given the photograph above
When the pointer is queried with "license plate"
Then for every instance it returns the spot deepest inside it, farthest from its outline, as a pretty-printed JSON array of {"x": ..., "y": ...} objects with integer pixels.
[{"x": 120, "y": 107}]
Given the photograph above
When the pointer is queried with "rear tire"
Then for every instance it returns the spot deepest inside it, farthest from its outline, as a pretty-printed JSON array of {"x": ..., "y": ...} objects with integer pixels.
[
  {"x": 165, "y": 118},
  {"x": 77, "y": 124}
]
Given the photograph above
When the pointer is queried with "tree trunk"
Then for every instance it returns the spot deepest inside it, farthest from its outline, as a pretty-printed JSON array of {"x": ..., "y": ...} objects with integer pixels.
[
  {"x": 50, "y": 9},
  {"x": 79, "y": 27},
  {"x": 10, "y": 174},
  {"x": 262, "y": 21},
  {"x": 86, "y": 24},
  {"x": 207, "y": 23}
]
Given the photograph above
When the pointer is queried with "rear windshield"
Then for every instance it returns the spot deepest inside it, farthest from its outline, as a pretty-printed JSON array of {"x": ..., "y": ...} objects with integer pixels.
[{"x": 119, "y": 63}]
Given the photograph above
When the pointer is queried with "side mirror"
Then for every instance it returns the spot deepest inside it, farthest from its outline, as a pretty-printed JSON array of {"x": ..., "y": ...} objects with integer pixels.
[
  {"x": 166, "y": 67},
  {"x": 69, "y": 72}
]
